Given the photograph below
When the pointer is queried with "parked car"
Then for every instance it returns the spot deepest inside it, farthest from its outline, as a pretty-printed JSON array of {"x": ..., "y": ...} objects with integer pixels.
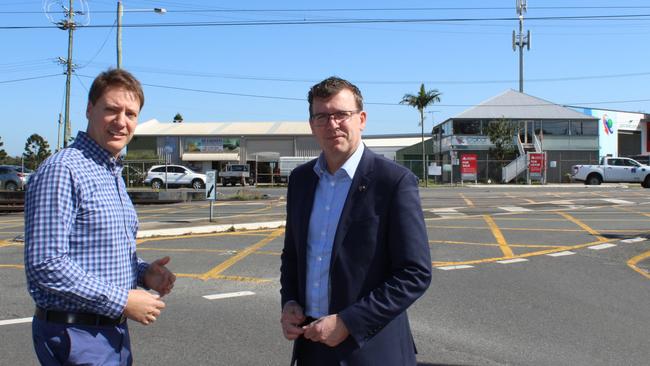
[
  {"x": 643, "y": 159},
  {"x": 236, "y": 174},
  {"x": 174, "y": 175},
  {"x": 14, "y": 177}
]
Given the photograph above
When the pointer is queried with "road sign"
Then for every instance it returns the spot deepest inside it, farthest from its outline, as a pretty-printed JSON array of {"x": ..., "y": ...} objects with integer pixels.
[{"x": 210, "y": 186}]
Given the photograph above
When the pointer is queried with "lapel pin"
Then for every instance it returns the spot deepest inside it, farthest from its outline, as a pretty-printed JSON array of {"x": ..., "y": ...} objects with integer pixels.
[{"x": 362, "y": 188}]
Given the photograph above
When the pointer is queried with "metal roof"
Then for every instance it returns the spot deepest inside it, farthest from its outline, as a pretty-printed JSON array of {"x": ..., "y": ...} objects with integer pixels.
[
  {"x": 512, "y": 104},
  {"x": 155, "y": 128}
]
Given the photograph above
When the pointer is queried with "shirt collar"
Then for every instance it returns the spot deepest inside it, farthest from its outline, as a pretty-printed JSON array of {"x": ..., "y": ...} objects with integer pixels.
[
  {"x": 349, "y": 167},
  {"x": 96, "y": 152}
]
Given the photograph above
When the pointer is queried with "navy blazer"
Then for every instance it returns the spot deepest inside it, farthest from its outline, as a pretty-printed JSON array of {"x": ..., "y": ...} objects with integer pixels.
[{"x": 380, "y": 261}]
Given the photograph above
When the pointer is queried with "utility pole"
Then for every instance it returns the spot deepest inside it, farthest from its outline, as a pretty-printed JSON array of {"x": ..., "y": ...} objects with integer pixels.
[
  {"x": 520, "y": 40},
  {"x": 69, "y": 25},
  {"x": 120, "y": 11}
]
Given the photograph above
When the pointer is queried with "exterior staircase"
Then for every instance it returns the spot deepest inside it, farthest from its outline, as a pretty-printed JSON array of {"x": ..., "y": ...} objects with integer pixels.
[{"x": 519, "y": 165}]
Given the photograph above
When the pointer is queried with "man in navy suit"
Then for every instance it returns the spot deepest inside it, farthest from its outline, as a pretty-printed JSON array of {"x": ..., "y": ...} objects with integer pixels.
[{"x": 356, "y": 253}]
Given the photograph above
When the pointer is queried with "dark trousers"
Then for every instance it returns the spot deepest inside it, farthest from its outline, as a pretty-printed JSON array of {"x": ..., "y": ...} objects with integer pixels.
[
  {"x": 310, "y": 353},
  {"x": 71, "y": 344}
]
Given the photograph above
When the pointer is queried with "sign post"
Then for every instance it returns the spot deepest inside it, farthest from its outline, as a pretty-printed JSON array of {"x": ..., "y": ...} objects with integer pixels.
[
  {"x": 210, "y": 188},
  {"x": 468, "y": 167},
  {"x": 536, "y": 167}
]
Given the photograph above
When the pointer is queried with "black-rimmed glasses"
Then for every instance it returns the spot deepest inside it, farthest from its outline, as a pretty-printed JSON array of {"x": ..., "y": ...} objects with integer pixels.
[{"x": 321, "y": 119}]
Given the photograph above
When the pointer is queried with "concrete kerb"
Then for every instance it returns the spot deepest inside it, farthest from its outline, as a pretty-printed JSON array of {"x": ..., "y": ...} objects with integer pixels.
[{"x": 208, "y": 229}]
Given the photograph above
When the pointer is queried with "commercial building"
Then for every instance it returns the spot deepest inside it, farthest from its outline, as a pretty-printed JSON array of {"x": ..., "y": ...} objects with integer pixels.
[
  {"x": 566, "y": 136},
  {"x": 211, "y": 145}
]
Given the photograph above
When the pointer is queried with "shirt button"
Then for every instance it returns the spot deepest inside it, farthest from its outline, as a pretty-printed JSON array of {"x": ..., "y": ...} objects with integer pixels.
[
  {"x": 322, "y": 233},
  {"x": 332, "y": 184},
  {"x": 316, "y": 284},
  {"x": 319, "y": 259},
  {"x": 327, "y": 208}
]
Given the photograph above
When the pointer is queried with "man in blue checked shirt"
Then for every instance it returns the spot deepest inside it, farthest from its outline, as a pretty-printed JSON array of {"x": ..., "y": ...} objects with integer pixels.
[{"x": 80, "y": 228}]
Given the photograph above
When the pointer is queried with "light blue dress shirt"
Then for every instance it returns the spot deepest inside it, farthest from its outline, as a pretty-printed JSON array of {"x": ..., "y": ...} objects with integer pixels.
[{"x": 329, "y": 199}]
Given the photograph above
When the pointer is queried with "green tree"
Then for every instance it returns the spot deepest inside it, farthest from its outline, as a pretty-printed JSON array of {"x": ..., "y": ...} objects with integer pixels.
[
  {"x": 421, "y": 101},
  {"x": 36, "y": 150},
  {"x": 3, "y": 153},
  {"x": 178, "y": 118},
  {"x": 501, "y": 134}
]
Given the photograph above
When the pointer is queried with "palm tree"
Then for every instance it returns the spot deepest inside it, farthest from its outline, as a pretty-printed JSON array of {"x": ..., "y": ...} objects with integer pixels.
[{"x": 421, "y": 101}]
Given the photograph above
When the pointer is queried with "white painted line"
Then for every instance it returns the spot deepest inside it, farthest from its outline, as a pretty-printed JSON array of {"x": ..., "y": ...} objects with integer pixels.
[
  {"x": 633, "y": 240},
  {"x": 228, "y": 295},
  {"x": 618, "y": 202},
  {"x": 444, "y": 209},
  {"x": 15, "y": 321},
  {"x": 514, "y": 209},
  {"x": 560, "y": 202},
  {"x": 561, "y": 254},
  {"x": 515, "y": 260},
  {"x": 602, "y": 246},
  {"x": 448, "y": 268}
]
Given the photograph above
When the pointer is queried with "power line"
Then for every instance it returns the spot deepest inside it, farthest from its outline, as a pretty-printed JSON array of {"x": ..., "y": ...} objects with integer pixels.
[
  {"x": 369, "y": 103},
  {"x": 635, "y": 17},
  {"x": 337, "y": 10},
  {"x": 202, "y": 74},
  {"x": 25, "y": 79}
]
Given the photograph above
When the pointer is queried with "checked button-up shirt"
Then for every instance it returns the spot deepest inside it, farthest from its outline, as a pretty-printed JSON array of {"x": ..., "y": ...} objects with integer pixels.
[{"x": 80, "y": 229}]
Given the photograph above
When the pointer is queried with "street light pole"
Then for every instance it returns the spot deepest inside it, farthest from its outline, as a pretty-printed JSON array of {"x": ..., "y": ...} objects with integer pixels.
[{"x": 120, "y": 12}]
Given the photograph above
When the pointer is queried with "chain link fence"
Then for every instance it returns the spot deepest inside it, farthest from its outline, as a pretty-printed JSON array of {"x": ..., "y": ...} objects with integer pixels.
[{"x": 557, "y": 170}]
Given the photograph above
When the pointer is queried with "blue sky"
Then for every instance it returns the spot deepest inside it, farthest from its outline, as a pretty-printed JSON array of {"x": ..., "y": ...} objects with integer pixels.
[{"x": 601, "y": 63}]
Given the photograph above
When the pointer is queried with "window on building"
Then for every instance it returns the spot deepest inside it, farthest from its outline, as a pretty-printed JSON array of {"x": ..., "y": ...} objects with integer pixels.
[
  {"x": 467, "y": 127},
  {"x": 584, "y": 128},
  {"x": 555, "y": 127}
]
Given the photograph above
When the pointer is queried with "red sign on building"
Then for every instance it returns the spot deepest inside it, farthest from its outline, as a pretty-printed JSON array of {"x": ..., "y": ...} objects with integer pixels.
[
  {"x": 468, "y": 166},
  {"x": 536, "y": 163}
]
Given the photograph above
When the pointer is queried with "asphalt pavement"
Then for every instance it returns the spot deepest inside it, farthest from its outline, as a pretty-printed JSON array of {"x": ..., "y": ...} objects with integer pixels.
[{"x": 554, "y": 275}]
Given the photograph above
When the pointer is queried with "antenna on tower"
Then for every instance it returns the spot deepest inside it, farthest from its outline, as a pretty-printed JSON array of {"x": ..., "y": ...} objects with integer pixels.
[
  {"x": 66, "y": 21},
  {"x": 520, "y": 40}
]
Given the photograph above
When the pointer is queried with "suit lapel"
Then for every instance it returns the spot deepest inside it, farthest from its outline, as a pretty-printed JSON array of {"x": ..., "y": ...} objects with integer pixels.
[
  {"x": 358, "y": 190},
  {"x": 305, "y": 204}
]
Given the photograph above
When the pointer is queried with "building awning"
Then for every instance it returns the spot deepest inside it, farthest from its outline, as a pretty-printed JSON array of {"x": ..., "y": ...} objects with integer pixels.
[{"x": 210, "y": 157}]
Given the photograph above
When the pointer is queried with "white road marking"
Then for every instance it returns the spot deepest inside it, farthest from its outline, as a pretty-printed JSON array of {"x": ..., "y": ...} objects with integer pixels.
[
  {"x": 560, "y": 202},
  {"x": 618, "y": 202},
  {"x": 447, "y": 212},
  {"x": 228, "y": 295},
  {"x": 633, "y": 240},
  {"x": 15, "y": 321},
  {"x": 448, "y": 268},
  {"x": 602, "y": 246},
  {"x": 515, "y": 260},
  {"x": 561, "y": 254},
  {"x": 514, "y": 209}
]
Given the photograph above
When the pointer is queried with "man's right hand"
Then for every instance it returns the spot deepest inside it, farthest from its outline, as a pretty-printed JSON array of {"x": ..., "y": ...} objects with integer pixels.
[
  {"x": 143, "y": 307},
  {"x": 292, "y": 317}
]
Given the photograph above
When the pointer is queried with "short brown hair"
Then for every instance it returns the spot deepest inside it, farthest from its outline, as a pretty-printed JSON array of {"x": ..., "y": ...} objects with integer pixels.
[
  {"x": 115, "y": 78},
  {"x": 332, "y": 86}
]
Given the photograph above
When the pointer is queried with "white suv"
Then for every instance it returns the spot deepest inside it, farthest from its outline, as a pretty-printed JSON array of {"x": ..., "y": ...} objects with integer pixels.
[{"x": 174, "y": 175}]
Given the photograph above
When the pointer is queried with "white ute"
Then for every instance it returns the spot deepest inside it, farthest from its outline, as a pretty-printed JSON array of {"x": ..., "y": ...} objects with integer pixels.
[{"x": 614, "y": 170}]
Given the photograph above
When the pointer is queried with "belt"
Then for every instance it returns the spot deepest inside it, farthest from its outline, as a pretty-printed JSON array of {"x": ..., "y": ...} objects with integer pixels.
[{"x": 62, "y": 317}]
